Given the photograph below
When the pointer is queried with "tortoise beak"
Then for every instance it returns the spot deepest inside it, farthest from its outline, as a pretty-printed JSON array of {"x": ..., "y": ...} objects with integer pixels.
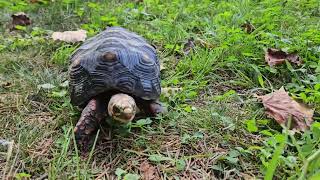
[
  {"x": 123, "y": 114},
  {"x": 122, "y": 108}
]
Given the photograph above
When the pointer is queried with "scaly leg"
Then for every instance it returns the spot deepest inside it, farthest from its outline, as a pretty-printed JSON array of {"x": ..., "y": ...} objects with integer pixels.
[{"x": 88, "y": 124}]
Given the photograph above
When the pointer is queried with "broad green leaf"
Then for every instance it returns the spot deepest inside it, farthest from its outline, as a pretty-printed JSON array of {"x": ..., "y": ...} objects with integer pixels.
[
  {"x": 22, "y": 28},
  {"x": 59, "y": 94},
  {"x": 119, "y": 172},
  {"x": 188, "y": 109},
  {"x": 46, "y": 86},
  {"x": 130, "y": 176},
  {"x": 233, "y": 153},
  {"x": 280, "y": 138},
  {"x": 266, "y": 132},
  {"x": 158, "y": 158},
  {"x": 315, "y": 176},
  {"x": 263, "y": 121},
  {"x": 180, "y": 164},
  {"x": 259, "y": 75},
  {"x": 232, "y": 160},
  {"x": 251, "y": 125},
  {"x": 260, "y": 80},
  {"x": 22, "y": 176},
  {"x": 315, "y": 128},
  {"x": 197, "y": 135},
  {"x": 143, "y": 122},
  {"x": 185, "y": 138}
]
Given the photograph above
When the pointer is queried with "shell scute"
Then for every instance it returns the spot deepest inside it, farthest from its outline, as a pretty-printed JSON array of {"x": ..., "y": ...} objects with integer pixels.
[{"x": 115, "y": 59}]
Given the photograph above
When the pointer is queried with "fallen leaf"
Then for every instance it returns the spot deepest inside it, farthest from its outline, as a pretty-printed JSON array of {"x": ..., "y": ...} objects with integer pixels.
[
  {"x": 280, "y": 106},
  {"x": 147, "y": 170},
  {"x": 70, "y": 36},
  {"x": 275, "y": 57},
  {"x": 19, "y": 19},
  {"x": 248, "y": 27}
]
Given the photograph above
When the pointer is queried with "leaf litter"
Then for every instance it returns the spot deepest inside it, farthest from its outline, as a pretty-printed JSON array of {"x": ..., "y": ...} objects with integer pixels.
[
  {"x": 70, "y": 36},
  {"x": 148, "y": 171},
  {"x": 280, "y": 106},
  {"x": 274, "y": 57},
  {"x": 19, "y": 19}
]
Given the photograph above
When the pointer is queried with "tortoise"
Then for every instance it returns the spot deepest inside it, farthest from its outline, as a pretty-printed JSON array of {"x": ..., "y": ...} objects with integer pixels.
[{"x": 117, "y": 72}]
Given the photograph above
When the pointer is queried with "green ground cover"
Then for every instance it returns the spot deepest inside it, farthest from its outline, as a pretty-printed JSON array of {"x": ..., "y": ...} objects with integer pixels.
[{"x": 215, "y": 126}]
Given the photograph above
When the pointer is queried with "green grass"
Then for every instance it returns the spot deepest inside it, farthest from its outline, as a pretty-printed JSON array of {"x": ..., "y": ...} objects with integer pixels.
[{"x": 215, "y": 126}]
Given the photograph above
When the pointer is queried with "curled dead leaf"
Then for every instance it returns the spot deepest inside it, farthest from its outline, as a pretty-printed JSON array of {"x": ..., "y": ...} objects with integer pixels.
[
  {"x": 280, "y": 106},
  {"x": 20, "y": 19},
  {"x": 275, "y": 57},
  {"x": 148, "y": 171},
  {"x": 70, "y": 36}
]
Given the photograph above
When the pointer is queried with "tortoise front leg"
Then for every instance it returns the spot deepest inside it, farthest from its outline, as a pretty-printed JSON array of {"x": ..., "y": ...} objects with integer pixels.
[{"x": 88, "y": 124}]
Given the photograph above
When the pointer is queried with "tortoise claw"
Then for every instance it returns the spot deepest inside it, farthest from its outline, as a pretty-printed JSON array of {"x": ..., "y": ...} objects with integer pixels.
[{"x": 156, "y": 108}]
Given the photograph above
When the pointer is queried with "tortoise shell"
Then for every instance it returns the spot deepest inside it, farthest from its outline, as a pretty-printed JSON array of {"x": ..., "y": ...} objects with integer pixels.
[{"x": 114, "y": 60}]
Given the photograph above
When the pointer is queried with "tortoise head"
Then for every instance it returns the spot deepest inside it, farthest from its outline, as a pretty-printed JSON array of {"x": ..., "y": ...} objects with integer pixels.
[{"x": 122, "y": 107}]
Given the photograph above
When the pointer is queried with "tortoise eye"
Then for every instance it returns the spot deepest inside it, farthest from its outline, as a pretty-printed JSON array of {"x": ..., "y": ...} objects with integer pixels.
[
  {"x": 115, "y": 110},
  {"x": 109, "y": 56}
]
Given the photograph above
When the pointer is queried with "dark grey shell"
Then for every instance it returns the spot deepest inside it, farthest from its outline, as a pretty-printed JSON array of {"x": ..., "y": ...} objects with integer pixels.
[{"x": 135, "y": 69}]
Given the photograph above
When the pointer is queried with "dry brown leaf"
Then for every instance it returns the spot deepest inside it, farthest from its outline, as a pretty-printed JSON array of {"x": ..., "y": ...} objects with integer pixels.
[
  {"x": 148, "y": 171},
  {"x": 20, "y": 19},
  {"x": 275, "y": 57},
  {"x": 70, "y": 36},
  {"x": 280, "y": 106}
]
